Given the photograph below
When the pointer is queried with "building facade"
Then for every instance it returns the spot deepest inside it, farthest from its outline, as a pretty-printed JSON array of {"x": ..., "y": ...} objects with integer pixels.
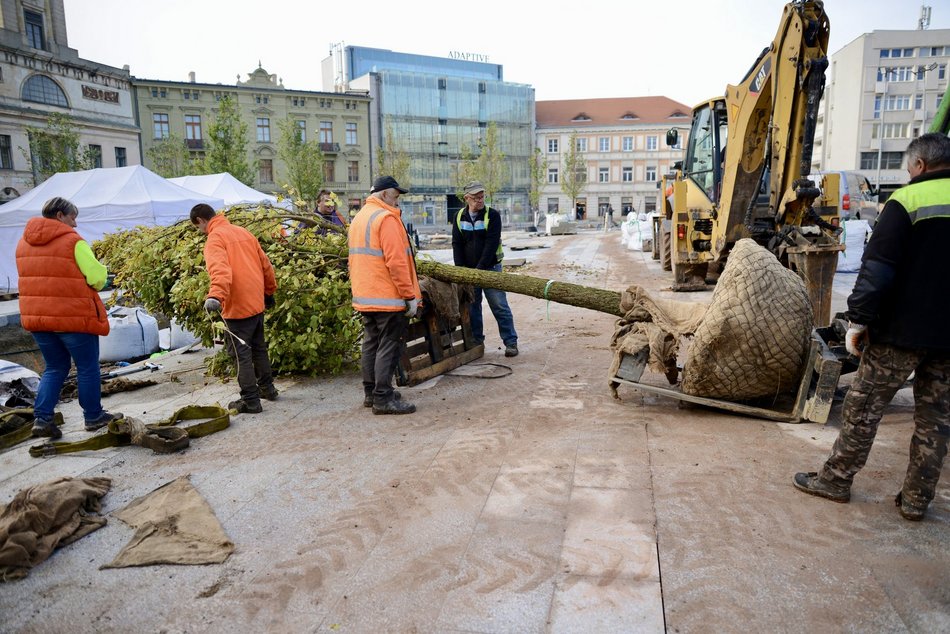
[
  {"x": 883, "y": 92},
  {"x": 622, "y": 145},
  {"x": 435, "y": 108},
  {"x": 39, "y": 76},
  {"x": 340, "y": 121}
]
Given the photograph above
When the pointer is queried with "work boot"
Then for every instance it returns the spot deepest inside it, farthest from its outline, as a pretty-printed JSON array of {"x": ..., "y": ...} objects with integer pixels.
[
  {"x": 48, "y": 428},
  {"x": 269, "y": 393},
  {"x": 246, "y": 407},
  {"x": 104, "y": 419},
  {"x": 810, "y": 483},
  {"x": 394, "y": 407},
  {"x": 907, "y": 510},
  {"x": 512, "y": 350},
  {"x": 368, "y": 399}
]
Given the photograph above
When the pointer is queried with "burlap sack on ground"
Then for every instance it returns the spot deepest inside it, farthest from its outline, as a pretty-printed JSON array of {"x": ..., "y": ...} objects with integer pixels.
[
  {"x": 653, "y": 324},
  {"x": 445, "y": 298},
  {"x": 174, "y": 525},
  {"x": 46, "y": 516},
  {"x": 754, "y": 338}
]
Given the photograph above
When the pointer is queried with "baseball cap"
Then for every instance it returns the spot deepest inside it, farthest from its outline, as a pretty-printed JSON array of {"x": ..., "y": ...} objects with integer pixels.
[
  {"x": 387, "y": 182},
  {"x": 474, "y": 187}
]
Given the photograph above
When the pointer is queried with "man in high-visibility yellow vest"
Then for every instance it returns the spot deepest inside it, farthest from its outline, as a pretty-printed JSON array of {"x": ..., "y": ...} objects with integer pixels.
[{"x": 385, "y": 292}]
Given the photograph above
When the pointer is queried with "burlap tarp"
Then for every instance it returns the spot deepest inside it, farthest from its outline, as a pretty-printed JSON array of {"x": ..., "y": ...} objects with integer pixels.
[
  {"x": 445, "y": 298},
  {"x": 44, "y": 517},
  {"x": 174, "y": 525},
  {"x": 655, "y": 325},
  {"x": 751, "y": 341}
]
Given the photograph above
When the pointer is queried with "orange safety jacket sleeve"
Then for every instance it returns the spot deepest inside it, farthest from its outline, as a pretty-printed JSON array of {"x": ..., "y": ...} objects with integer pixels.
[
  {"x": 270, "y": 279},
  {"x": 398, "y": 256},
  {"x": 219, "y": 270}
]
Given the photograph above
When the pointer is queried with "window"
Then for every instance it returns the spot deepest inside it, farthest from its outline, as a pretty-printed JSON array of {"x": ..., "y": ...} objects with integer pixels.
[
  {"x": 942, "y": 71},
  {"x": 552, "y": 175},
  {"x": 120, "y": 157},
  {"x": 603, "y": 175},
  {"x": 34, "y": 29},
  {"x": 897, "y": 102},
  {"x": 6, "y": 152},
  {"x": 552, "y": 205},
  {"x": 266, "y": 99},
  {"x": 897, "y": 52},
  {"x": 889, "y": 160},
  {"x": 898, "y": 73},
  {"x": 329, "y": 171},
  {"x": 626, "y": 175},
  {"x": 266, "y": 170},
  {"x": 96, "y": 152},
  {"x": 301, "y": 129},
  {"x": 351, "y": 133},
  {"x": 581, "y": 144},
  {"x": 651, "y": 174},
  {"x": 552, "y": 146},
  {"x": 155, "y": 93},
  {"x": 627, "y": 145},
  {"x": 603, "y": 144},
  {"x": 918, "y": 101},
  {"x": 326, "y": 132},
  {"x": 651, "y": 143},
  {"x": 581, "y": 174},
  {"x": 263, "y": 131},
  {"x": 193, "y": 126},
  {"x": 186, "y": 94},
  {"x": 160, "y": 125},
  {"x": 353, "y": 172},
  {"x": 42, "y": 89},
  {"x": 162, "y": 93},
  {"x": 890, "y": 131}
]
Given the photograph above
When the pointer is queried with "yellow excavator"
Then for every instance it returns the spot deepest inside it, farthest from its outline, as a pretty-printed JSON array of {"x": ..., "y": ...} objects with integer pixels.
[{"x": 746, "y": 167}]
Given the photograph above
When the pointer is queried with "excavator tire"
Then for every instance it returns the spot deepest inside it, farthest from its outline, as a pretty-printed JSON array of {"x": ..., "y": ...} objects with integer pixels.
[{"x": 753, "y": 340}]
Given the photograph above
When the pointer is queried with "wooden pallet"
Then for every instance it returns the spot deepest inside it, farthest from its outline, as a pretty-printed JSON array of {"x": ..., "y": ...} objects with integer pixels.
[{"x": 432, "y": 348}]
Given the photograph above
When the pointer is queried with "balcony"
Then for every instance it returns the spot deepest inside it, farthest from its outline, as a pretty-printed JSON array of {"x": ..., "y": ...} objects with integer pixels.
[
  {"x": 195, "y": 144},
  {"x": 332, "y": 148}
]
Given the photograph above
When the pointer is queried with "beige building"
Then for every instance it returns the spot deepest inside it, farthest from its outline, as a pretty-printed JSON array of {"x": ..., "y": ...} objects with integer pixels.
[
  {"x": 339, "y": 120},
  {"x": 623, "y": 144},
  {"x": 41, "y": 75},
  {"x": 883, "y": 91}
]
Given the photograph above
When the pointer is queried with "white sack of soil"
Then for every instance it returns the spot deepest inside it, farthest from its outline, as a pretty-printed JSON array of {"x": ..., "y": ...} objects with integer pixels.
[{"x": 754, "y": 338}]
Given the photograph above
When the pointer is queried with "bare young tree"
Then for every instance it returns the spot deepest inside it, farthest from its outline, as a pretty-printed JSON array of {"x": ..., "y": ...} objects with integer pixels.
[{"x": 573, "y": 172}]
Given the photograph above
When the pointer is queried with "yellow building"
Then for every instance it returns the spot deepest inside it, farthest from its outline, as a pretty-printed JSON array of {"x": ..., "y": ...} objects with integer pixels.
[{"x": 339, "y": 120}]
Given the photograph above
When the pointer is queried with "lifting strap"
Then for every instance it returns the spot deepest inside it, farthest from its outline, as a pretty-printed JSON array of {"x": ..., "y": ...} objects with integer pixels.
[
  {"x": 161, "y": 437},
  {"x": 18, "y": 426}
]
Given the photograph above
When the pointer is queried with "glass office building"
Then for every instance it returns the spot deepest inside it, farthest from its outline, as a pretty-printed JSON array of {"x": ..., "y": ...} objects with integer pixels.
[{"x": 434, "y": 109}]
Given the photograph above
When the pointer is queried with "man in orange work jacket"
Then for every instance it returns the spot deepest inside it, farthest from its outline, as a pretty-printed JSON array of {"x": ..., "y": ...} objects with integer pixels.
[
  {"x": 385, "y": 292},
  {"x": 242, "y": 285}
]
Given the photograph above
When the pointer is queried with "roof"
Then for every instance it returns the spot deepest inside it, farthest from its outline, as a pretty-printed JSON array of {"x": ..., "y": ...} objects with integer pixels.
[{"x": 578, "y": 113}]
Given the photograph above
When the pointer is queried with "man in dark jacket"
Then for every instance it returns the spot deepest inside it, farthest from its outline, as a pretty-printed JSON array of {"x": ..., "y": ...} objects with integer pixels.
[
  {"x": 898, "y": 313},
  {"x": 476, "y": 244}
]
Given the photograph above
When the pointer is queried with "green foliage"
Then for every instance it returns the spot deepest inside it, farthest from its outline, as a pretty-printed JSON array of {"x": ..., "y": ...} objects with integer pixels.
[
  {"x": 227, "y": 144},
  {"x": 56, "y": 148},
  {"x": 537, "y": 172},
  {"x": 303, "y": 161},
  {"x": 573, "y": 171},
  {"x": 312, "y": 329},
  {"x": 392, "y": 159},
  {"x": 488, "y": 165},
  {"x": 170, "y": 158}
]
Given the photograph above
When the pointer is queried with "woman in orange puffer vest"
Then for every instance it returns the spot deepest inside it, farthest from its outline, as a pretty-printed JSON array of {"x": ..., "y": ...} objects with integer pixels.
[{"x": 59, "y": 304}]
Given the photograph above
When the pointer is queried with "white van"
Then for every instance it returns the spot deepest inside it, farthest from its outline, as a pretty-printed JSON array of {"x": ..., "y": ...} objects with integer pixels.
[{"x": 857, "y": 200}]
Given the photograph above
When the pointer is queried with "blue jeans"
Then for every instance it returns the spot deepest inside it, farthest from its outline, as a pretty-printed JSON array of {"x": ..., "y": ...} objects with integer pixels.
[
  {"x": 59, "y": 349},
  {"x": 498, "y": 302}
]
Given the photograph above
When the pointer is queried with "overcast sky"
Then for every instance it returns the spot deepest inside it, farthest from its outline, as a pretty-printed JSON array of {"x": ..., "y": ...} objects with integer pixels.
[{"x": 687, "y": 50}]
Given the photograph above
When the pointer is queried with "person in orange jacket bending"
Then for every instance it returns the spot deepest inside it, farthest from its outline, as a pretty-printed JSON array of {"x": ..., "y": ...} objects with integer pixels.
[
  {"x": 385, "y": 292},
  {"x": 242, "y": 286}
]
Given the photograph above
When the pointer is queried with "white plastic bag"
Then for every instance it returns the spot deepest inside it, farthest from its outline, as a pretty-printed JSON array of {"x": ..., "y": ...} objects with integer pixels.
[
  {"x": 133, "y": 333},
  {"x": 853, "y": 238}
]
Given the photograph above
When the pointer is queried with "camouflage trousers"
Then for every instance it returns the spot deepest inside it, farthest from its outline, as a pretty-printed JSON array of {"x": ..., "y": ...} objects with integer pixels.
[{"x": 883, "y": 371}]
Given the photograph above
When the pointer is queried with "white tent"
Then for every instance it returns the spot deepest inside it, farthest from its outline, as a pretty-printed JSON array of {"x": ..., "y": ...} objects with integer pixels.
[
  {"x": 229, "y": 189},
  {"x": 109, "y": 200}
]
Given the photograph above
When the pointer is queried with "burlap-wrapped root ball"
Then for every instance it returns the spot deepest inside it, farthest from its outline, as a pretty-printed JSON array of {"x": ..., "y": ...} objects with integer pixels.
[{"x": 753, "y": 340}]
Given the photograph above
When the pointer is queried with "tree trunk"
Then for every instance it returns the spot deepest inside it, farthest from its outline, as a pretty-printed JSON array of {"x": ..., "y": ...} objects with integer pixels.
[{"x": 561, "y": 292}]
